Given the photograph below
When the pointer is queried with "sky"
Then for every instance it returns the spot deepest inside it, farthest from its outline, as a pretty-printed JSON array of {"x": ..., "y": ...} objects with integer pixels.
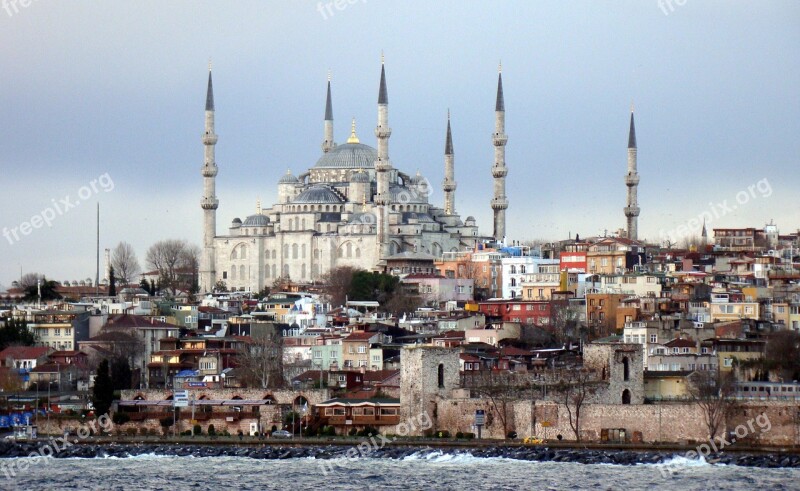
[{"x": 102, "y": 102}]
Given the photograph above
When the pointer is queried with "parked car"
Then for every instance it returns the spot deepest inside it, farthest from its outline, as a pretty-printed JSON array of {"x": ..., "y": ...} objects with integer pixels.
[{"x": 281, "y": 434}]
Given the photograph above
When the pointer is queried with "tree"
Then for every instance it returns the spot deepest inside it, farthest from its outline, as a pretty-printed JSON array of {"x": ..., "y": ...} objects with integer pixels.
[
  {"x": 112, "y": 282},
  {"x": 220, "y": 286},
  {"x": 368, "y": 286},
  {"x": 260, "y": 361},
  {"x": 502, "y": 388},
  {"x": 16, "y": 333},
  {"x": 783, "y": 354},
  {"x": 713, "y": 392},
  {"x": 177, "y": 263},
  {"x": 103, "y": 391},
  {"x": 337, "y": 283},
  {"x": 125, "y": 263},
  {"x": 575, "y": 388},
  {"x": 29, "y": 280},
  {"x": 48, "y": 289},
  {"x": 121, "y": 374}
]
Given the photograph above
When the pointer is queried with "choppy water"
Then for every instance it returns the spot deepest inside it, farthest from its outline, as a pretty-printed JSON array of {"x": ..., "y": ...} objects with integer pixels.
[{"x": 419, "y": 471}]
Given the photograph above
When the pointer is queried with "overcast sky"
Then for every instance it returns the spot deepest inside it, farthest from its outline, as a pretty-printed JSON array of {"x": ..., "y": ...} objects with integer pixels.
[{"x": 96, "y": 88}]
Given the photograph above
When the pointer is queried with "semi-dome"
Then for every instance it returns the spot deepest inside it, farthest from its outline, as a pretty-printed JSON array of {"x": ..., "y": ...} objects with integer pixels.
[
  {"x": 359, "y": 176},
  {"x": 317, "y": 195},
  {"x": 349, "y": 156},
  {"x": 402, "y": 194},
  {"x": 256, "y": 221}
]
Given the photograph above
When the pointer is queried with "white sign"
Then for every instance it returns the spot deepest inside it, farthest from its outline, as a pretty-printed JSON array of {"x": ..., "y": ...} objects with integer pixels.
[
  {"x": 181, "y": 395},
  {"x": 181, "y": 403}
]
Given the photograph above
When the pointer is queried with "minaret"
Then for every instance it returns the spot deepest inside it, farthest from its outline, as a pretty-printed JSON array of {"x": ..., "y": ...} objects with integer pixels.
[
  {"x": 327, "y": 142},
  {"x": 499, "y": 169},
  {"x": 704, "y": 235},
  {"x": 449, "y": 185},
  {"x": 209, "y": 202},
  {"x": 632, "y": 181},
  {"x": 383, "y": 167}
]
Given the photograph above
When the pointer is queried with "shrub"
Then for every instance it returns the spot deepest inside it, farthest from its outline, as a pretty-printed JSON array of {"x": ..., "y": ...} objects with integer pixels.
[
  {"x": 225, "y": 432},
  {"x": 130, "y": 431},
  {"x": 459, "y": 435},
  {"x": 166, "y": 422},
  {"x": 211, "y": 430},
  {"x": 367, "y": 431},
  {"x": 512, "y": 434},
  {"x": 469, "y": 436},
  {"x": 329, "y": 431},
  {"x": 120, "y": 418},
  {"x": 198, "y": 430},
  {"x": 352, "y": 432}
]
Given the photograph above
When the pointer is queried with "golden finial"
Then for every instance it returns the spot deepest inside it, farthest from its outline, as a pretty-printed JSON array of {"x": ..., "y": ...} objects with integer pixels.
[
  {"x": 288, "y": 172},
  {"x": 353, "y": 138},
  {"x": 382, "y": 58},
  {"x": 631, "y": 105},
  {"x": 364, "y": 203},
  {"x": 448, "y": 114},
  {"x": 258, "y": 206},
  {"x": 329, "y": 74},
  {"x": 500, "y": 67},
  {"x": 209, "y": 63}
]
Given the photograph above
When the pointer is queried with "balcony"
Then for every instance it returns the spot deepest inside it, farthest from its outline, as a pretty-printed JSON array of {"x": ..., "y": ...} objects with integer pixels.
[{"x": 370, "y": 420}]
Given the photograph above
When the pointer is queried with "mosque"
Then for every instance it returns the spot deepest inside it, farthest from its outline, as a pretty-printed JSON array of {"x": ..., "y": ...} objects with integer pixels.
[{"x": 352, "y": 208}]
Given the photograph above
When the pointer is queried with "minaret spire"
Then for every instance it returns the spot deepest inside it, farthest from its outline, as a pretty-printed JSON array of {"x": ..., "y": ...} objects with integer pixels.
[
  {"x": 209, "y": 203},
  {"x": 632, "y": 183},
  {"x": 327, "y": 143},
  {"x": 449, "y": 185},
  {"x": 383, "y": 167},
  {"x": 499, "y": 170}
]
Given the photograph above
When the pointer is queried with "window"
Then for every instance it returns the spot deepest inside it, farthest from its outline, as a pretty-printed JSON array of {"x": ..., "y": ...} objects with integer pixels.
[
  {"x": 654, "y": 338},
  {"x": 440, "y": 376},
  {"x": 362, "y": 349},
  {"x": 727, "y": 362}
]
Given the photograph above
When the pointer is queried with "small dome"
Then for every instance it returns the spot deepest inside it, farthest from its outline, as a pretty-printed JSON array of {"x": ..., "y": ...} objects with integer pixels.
[
  {"x": 236, "y": 223},
  {"x": 349, "y": 156},
  {"x": 359, "y": 176},
  {"x": 256, "y": 221},
  {"x": 288, "y": 178},
  {"x": 317, "y": 195}
]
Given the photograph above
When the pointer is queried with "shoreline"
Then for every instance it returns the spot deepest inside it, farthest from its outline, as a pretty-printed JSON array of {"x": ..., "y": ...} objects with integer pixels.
[{"x": 377, "y": 447}]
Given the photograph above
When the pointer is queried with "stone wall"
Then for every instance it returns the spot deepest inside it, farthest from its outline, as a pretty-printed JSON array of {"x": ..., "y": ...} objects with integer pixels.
[{"x": 420, "y": 391}]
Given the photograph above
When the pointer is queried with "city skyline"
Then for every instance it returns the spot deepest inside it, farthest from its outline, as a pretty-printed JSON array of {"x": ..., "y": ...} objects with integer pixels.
[{"x": 715, "y": 114}]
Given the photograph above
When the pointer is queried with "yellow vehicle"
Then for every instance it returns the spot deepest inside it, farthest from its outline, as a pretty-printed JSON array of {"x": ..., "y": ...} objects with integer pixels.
[{"x": 532, "y": 440}]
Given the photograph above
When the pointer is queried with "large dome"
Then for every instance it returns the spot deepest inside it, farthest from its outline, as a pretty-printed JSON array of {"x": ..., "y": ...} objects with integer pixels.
[
  {"x": 349, "y": 156},
  {"x": 317, "y": 195}
]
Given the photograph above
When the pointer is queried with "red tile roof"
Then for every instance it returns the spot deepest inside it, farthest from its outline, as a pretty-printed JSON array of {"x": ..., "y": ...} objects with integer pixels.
[{"x": 25, "y": 352}]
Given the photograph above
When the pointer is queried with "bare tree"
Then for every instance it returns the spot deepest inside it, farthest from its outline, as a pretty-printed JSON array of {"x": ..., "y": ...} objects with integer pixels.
[
  {"x": 125, "y": 264},
  {"x": 576, "y": 386},
  {"x": 713, "y": 392},
  {"x": 176, "y": 262},
  {"x": 337, "y": 283},
  {"x": 29, "y": 280},
  {"x": 501, "y": 388},
  {"x": 260, "y": 362}
]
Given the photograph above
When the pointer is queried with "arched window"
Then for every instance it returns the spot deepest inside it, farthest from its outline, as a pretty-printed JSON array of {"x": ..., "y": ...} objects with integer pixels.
[
  {"x": 294, "y": 251},
  {"x": 626, "y": 375},
  {"x": 316, "y": 253},
  {"x": 266, "y": 271},
  {"x": 303, "y": 271},
  {"x": 513, "y": 280},
  {"x": 244, "y": 252},
  {"x": 522, "y": 269},
  {"x": 303, "y": 251},
  {"x": 286, "y": 251},
  {"x": 349, "y": 250},
  {"x": 242, "y": 274},
  {"x": 233, "y": 273},
  {"x": 440, "y": 375},
  {"x": 513, "y": 269},
  {"x": 234, "y": 255},
  {"x": 358, "y": 252},
  {"x": 626, "y": 396},
  {"x": 274, "y": 271},
  {"x": 303, "y": 224},
  {"x": 274, "y": 253},
  {"x": 296, "y": 223},
  {"x": 286, "y": 270}
]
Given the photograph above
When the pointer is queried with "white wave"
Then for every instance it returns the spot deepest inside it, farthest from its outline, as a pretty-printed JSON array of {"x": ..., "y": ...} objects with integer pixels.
[{"x": 682, "y": 461}]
